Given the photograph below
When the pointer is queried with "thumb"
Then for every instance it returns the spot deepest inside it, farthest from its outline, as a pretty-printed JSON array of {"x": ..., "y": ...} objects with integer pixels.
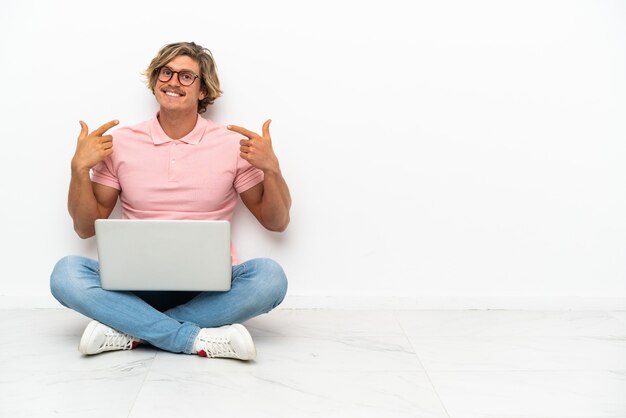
[
  {"x": 84, "y": 130},
  {"x": 266, "y": 128}
]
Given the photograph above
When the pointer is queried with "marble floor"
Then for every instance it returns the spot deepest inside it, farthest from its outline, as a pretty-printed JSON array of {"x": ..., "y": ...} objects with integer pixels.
[{"x": 331, "y": 363}]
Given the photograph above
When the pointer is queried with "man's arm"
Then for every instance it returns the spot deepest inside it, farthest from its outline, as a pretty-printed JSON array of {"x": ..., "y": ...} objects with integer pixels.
[
  {"x": 270, "y": 200},
  {"x": 89, "y": 201}
]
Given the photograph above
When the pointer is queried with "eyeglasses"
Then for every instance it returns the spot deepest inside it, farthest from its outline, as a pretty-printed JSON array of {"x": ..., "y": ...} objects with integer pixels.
[{"x": 185, "y": 77}]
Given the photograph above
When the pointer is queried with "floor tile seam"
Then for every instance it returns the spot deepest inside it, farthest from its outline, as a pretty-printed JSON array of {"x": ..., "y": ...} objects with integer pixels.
[
  {"x": 608, "y": 337},
  {"x": 584, "y": 312},
  {"x": 331, "y": 337},
  {"x": 255, "y": 373},
  {"x": 544, "y": 337},
  {"x": 419, "y": 361},
  {"x": 41, "y": 372},
  {"x": 141, "y": 386},
  {"x": 542, "y": 416},
  {"x": 605, "y": 370},
  {"x": 538, "y": 371}
]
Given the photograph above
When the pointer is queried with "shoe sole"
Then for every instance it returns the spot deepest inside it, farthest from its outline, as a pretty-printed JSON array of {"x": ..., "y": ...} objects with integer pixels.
[
  {"x": 86, "y": 339},
  {"x": 243, "y": 332}
]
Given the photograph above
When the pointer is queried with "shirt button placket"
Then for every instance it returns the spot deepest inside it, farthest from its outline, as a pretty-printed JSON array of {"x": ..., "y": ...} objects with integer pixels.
[{"x": 172, "y": 163}]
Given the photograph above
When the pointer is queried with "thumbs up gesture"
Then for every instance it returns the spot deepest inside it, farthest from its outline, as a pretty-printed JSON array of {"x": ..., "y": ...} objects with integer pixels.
[{"x": 93, "y": 147}]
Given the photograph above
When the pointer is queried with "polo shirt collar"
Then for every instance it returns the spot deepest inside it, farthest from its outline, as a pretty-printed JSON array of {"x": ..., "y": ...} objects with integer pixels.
[{"x": 159, "y": 136}]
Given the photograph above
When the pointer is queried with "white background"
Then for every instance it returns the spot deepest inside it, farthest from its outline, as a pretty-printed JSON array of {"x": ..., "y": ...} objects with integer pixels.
[{"x": 442, "y": 153}]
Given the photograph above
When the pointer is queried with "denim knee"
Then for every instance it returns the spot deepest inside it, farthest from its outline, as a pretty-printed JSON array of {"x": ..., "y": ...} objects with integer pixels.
[
  {"x": 274, "y": 279},
  {"x": 64, "y": 275}
]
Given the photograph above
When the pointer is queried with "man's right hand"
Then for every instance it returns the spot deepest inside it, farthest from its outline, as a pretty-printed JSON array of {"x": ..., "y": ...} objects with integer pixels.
[{"x": 92, "y": 147}]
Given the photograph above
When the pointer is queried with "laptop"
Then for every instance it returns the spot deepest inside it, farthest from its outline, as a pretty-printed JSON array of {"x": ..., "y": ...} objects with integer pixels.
[{"x": 164, "y": 255}]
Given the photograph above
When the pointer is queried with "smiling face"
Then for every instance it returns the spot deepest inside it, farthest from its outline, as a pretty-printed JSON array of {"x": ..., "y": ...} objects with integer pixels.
[{"x": 172, "y": 96}]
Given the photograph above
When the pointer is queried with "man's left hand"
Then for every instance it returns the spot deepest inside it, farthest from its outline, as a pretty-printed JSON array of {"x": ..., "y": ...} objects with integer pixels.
[{"x": 257, "y": 149}]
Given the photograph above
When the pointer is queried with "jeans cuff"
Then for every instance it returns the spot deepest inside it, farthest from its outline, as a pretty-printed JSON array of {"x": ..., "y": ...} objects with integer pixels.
[{"x": 195, "y": 330}]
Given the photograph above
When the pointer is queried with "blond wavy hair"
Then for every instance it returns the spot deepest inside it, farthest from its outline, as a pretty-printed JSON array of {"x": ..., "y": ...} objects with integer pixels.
[{"x": 209, "y": 83}]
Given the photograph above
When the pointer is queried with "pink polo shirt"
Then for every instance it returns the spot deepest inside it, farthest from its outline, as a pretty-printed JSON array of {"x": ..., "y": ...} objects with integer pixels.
[{"x": 196, "y": 177}]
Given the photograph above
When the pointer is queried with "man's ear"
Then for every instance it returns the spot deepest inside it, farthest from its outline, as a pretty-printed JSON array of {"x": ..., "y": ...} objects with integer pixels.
[{"x": 203, "y": 94}]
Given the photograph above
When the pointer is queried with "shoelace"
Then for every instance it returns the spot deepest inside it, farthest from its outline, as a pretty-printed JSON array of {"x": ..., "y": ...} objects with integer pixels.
[
  {"x": 215, "y": 347},
  {"x": 117, "y": 340}
]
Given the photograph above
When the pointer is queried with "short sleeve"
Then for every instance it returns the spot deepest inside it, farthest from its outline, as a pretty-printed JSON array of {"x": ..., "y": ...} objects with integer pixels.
[
  {"x": 103, "y": 173},
  {"x": 247, "y": 176}
]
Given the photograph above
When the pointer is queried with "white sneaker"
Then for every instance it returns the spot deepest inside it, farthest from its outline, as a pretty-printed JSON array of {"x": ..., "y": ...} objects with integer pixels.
[
  {"x": 98, "y": 338},
  {"x": 231, "y": 341}
]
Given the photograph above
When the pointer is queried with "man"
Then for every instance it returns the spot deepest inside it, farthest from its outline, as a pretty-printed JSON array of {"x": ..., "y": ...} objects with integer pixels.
[{"x": 175, "y": 166}]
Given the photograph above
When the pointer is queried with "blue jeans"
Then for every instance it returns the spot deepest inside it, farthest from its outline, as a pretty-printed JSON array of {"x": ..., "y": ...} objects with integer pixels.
[{"x": 168, "y": 320}]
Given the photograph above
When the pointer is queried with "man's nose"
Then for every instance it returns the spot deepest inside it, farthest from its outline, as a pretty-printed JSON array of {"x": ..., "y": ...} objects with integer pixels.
[{"x": 174, "y": 80}]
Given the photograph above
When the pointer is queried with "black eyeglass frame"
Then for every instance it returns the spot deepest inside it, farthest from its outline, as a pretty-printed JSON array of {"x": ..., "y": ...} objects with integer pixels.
[{"x": 172, "y": 72}]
